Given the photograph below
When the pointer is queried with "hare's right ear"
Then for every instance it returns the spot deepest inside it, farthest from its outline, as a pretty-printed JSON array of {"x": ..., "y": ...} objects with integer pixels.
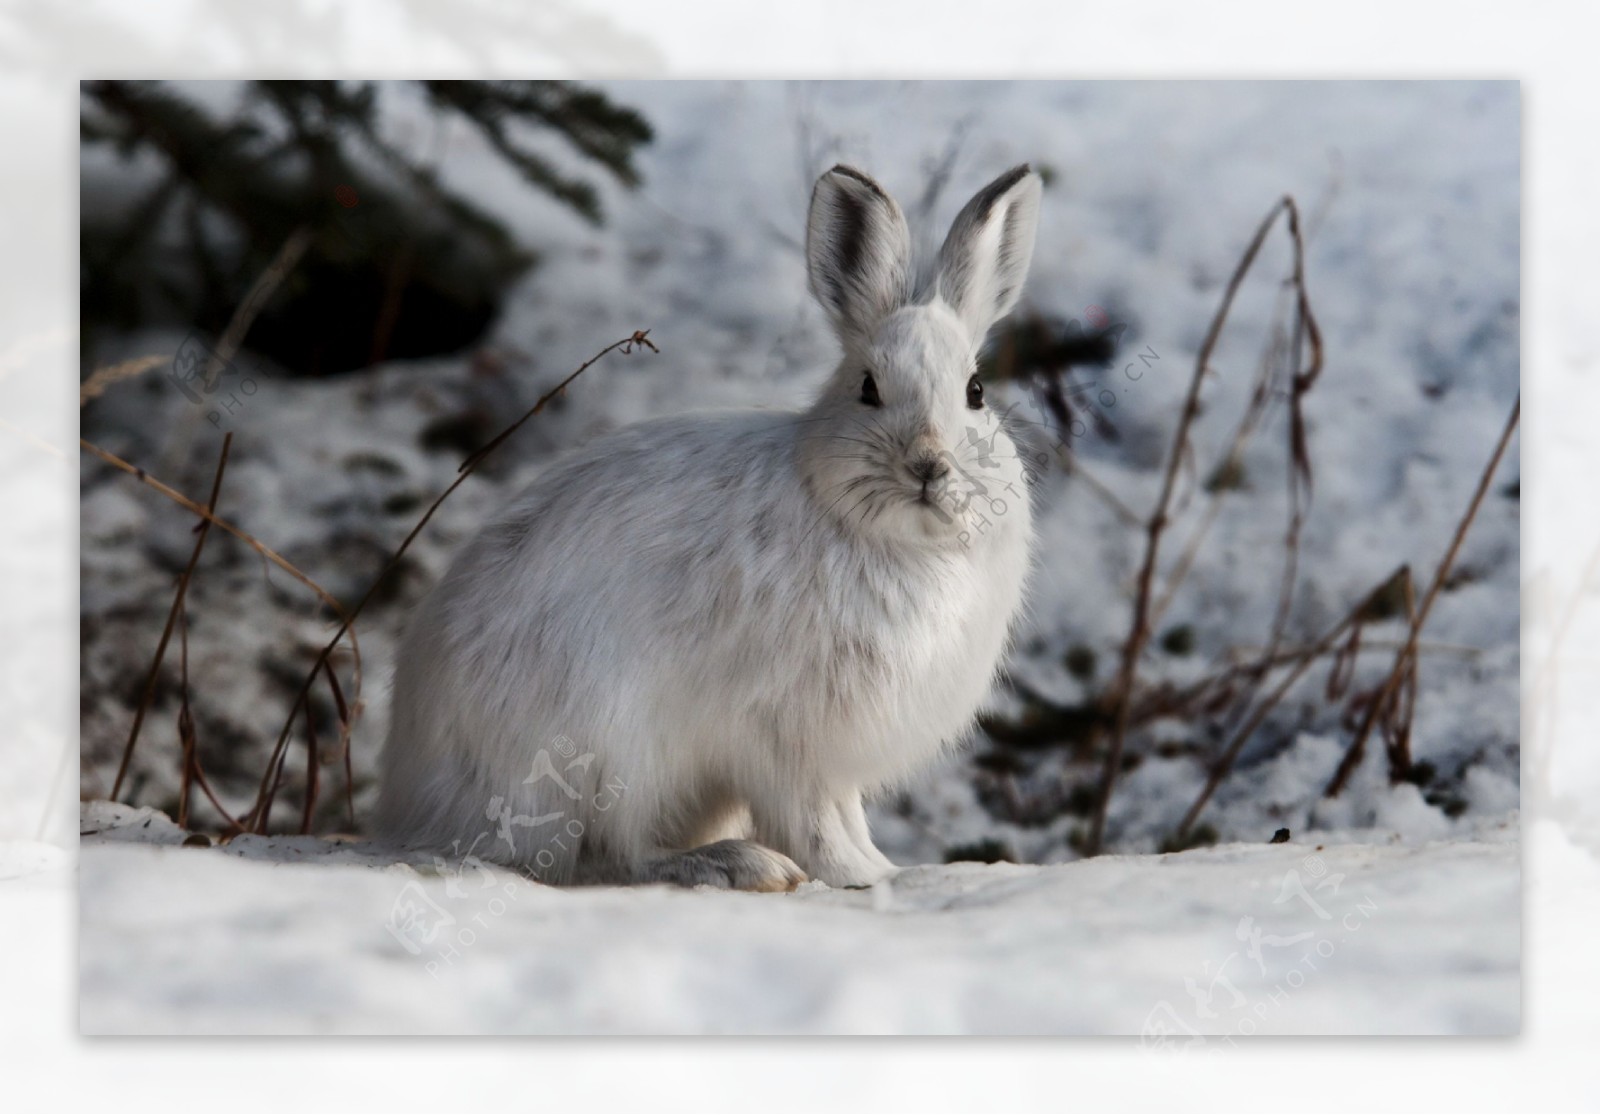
[{"x": 858, "y": 253}]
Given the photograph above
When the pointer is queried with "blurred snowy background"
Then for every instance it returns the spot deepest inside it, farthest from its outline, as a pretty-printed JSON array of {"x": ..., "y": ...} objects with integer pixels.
[{"x": 444, "y": 290}]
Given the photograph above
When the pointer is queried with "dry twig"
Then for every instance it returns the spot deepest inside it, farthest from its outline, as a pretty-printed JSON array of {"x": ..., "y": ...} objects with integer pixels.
[
  {"x": 1138, "y": 636},
  {"x": 244, "y": 536},
  {"x": 244, "y": 315},
  {"x": 102, "y": 378},
  {"x": 204, "y": 529},
  {"x": 1307, "y": 656},
  {"x": 1390, "y": 703}
]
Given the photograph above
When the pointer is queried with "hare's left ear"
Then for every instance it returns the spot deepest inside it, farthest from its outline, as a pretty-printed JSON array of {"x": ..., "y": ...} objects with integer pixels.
[{"x": 985, "y": 258}]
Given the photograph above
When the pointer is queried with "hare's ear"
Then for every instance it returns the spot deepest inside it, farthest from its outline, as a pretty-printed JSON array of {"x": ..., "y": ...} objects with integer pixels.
[
  {"x": 985, "y": 258},
  {"x": 858, "y": 252}
]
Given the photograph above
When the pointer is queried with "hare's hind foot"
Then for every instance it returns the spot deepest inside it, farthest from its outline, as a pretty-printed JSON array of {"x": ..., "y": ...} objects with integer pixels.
[{"x": 727, "y": 864}]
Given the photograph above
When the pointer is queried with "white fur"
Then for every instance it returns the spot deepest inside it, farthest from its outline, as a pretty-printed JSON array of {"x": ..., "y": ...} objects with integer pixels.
[{"x": 732, "y": 627}]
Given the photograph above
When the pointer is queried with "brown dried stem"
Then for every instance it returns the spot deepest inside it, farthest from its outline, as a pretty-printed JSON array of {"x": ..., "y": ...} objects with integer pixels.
[
  {"x": 1249, "y": 421},
  {"x": 1403, "y": 671},
  {"x": 242, "y": 535},
  {"x": 1302, "y": 662},
  {"x": 260, "y": 292},
  {"x": 102, "y": 378},
  {"x": 1138, "y": 636},
  {"x": 148, "y": 695},
  {"x": 186, "y": 734}
]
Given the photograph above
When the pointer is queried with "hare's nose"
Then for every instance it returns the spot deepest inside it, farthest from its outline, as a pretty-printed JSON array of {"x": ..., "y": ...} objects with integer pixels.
[{"x": 929, "y": 469}]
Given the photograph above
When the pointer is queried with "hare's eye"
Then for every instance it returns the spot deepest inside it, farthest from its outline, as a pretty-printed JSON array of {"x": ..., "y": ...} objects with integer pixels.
[
  {"x": 869, "y": 390},
  {"x": 975, "y": 393}
]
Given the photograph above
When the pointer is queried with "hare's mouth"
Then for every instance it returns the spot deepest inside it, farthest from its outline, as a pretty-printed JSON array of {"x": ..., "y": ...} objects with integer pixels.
[{"x": 936, "y": 514}]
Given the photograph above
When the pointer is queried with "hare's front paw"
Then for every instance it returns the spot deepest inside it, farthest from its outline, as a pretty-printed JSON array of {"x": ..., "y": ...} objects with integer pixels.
[{"x": 729, "y": 864}]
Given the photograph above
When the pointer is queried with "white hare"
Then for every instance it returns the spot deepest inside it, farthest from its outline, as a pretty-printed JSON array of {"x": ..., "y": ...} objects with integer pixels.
[{"x": 687, "y": 651}]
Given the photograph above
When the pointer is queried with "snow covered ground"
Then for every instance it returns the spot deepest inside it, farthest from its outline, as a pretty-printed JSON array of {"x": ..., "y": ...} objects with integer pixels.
[
  {"x": 1412, "y": 200},
  {"x": 273, "y": 935}
]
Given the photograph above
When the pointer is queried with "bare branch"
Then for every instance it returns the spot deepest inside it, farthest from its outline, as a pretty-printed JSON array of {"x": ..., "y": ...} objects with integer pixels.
[
  {"x": 172, "y": 619},
  {"x": 1404, "y": 661},
  {"x": 1139, "y": 635}
]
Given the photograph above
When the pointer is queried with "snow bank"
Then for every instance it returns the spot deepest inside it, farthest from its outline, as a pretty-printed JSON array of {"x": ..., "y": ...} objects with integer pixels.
[{"x": 285, "y": 935}]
